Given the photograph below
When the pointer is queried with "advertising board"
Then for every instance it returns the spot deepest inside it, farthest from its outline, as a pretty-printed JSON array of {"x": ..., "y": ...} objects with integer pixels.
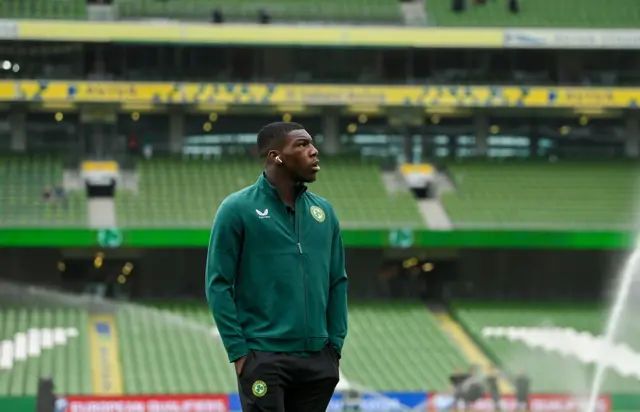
[
  {"x": 147, "y": 403},
  {"x": 537, "y": 403}
]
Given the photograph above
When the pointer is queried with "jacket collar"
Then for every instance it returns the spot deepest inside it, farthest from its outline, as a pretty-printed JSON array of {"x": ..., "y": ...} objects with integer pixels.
[{"x": 266, "y": 186}]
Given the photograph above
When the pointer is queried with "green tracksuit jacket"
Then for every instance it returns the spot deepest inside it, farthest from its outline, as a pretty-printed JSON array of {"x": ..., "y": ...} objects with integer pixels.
[{"x": 276, "y": 280}]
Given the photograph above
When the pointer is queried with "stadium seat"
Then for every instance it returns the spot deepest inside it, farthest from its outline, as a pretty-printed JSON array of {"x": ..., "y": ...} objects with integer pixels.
[
  {"x": 21, "y": 203},
  {"x": 398, "y": 347},
  {"x": 535, "y": 195},
  {"x": 570, "y": 374},
  {"x": 191, "y": 358},
  {"x": 43, "y": 9},
  {"x": 539, "y": 13},
  {"x": 280, "y": 10},
  {"x": 173, "y": 348},
  {"x": 355, "y": 189},
  {"x": 43, "y": 342}
]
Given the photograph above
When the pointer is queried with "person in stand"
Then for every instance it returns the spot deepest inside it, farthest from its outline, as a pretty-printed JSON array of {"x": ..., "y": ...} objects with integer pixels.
[
  {"x": 522, "y": 391},
  {"x": 473, "y": 387},
  {"x": 456, "y": 379},
  {"x": 276, "y": 281},
  {"x": 351, "y": 400},
  {"x": 493, "y": 389},
  {"x": 61, "y": 195},
  {"x": 47, "y": 194}
]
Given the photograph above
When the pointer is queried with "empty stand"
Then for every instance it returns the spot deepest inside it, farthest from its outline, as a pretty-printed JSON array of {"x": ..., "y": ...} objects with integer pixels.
[
  {"x": 43, "y": 9},
  {"x": 398, "y": 346},
  {"x": 21, "y": 201},
  {"x": 43, "y": 342},
  {"x": 539, "y": 13},
  {"x": 172, "y": 349},
  {"x": 247, "y": 10},
  {"x": 550, "y": 370},
  {"x": 390, "y": 347},
  {"x": 174, "y": 192},
  {"x": 561, "y": 195}
]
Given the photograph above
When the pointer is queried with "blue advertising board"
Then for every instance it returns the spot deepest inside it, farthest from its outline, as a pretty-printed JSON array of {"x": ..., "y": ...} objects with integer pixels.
[{"x": 379, "y": 402}]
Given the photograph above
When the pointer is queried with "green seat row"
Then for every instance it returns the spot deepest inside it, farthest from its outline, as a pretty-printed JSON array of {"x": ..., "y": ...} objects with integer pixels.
[
  {"x": 43, "y": 343},
  {"x": 43, "y": 9},
  {"x": 541, "y": 196},
  {"x": 21, "y": 202},
  {"x": 174, "y": 192},
  {"x": 539, "y": 13},
  {"x": 172, "y": 349},
  {"x": 391, "y": 347},
  {"x": 280, "y": 10},
  {"x": 398, "y": 347}
]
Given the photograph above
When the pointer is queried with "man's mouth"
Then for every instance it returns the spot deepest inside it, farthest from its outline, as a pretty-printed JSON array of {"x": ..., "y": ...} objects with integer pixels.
[{"x": 315, "y": 167}]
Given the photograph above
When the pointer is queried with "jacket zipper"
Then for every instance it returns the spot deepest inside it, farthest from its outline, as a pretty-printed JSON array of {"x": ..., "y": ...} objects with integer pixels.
[{"x": 298, "y": 214}]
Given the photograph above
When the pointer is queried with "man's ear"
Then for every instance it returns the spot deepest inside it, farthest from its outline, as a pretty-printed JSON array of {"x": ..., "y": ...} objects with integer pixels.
[{"x": 274, "y": 157}]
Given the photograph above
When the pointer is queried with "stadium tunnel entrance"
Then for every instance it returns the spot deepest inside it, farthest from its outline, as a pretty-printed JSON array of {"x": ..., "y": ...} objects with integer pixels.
[
  {"x": 103, "y": 273},
  {"x": 427, "y": 274}
]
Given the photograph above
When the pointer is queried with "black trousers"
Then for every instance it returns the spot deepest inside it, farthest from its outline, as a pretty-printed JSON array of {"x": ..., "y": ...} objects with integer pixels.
[{"x": 278, "y": 382}]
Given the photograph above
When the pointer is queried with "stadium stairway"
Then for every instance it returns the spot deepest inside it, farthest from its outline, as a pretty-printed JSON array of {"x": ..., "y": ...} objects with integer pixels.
[
  {"x": 413, "y": 13},
  {"x": 473, "y": 353},
  {"x": 564, "y": 338},
  {"x": 102, "y": 213},
  {"x": 434, "y": 214}
]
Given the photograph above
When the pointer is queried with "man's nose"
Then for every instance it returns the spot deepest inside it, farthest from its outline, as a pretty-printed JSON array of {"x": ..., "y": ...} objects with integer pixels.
[{"x": 314, "y": 151}]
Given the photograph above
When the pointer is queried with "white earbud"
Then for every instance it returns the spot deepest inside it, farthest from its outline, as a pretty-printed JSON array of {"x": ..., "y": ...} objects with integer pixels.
[{"x": 278, "y": 159}]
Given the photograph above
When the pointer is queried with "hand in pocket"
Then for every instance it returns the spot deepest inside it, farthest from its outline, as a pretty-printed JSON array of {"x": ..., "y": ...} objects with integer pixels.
[{"x": 239, "y": 364}]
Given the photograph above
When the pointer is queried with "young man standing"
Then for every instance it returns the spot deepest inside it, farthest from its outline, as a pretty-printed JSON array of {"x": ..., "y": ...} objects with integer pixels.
[{"x": 276, "y": 281}]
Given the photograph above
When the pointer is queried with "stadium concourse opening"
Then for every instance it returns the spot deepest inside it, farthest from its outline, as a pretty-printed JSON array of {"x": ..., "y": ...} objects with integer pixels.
[
  {"x": 100, "y": 178},
  {"x": 421, "y": 274},
  {"x": 102, "y": 274}
]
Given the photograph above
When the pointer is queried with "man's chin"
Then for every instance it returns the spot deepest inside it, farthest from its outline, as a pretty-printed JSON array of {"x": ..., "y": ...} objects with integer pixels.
[{"x": 309, "y": 178}]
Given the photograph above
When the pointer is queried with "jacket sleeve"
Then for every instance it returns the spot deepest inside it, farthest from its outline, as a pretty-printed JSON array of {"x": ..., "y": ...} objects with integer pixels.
[
  {"x": 337, "y": 307},
  {"x": 225, "y": 246}
]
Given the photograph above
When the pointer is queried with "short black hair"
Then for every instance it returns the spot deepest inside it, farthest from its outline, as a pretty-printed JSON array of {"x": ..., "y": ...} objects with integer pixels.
[{"x": 272, "y": 133}]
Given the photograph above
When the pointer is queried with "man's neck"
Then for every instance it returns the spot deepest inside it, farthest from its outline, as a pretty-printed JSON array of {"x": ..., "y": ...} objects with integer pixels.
[{"x": 285, "y": 187}]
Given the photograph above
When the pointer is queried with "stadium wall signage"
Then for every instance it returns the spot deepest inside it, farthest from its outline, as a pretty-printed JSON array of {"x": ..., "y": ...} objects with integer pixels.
[
  {"x": 373, "y": 238},
  {"x": 537, "y": 403},
  {"x": 572, "y": 39},
  {"x": 260, "y": 94},
  {"x": 343, "y": 36},
  {"x": 382, "y": 402},
  {"x": 150, "y": 403}
]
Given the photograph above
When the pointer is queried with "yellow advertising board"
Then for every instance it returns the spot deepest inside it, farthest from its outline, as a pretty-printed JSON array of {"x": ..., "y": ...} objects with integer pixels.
[
  {"x": 230, "y": 34},
  {"x": 106, "y": 375},
  {"x": 417, "y": 168},
  {"x": 318, "y": 95}
]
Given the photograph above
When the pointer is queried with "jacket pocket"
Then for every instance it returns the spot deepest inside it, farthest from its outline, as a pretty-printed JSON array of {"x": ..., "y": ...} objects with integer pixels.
[
  {"x": 271, "y": 296},
  {"x": 333, "y": 353},
  {"x": 247, "y": 363}
]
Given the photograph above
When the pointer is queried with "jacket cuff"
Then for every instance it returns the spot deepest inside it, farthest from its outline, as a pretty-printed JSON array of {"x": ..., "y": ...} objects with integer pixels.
[
  {"x": 237, "y": 350},
  {"x": 337, "y": 345}
]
